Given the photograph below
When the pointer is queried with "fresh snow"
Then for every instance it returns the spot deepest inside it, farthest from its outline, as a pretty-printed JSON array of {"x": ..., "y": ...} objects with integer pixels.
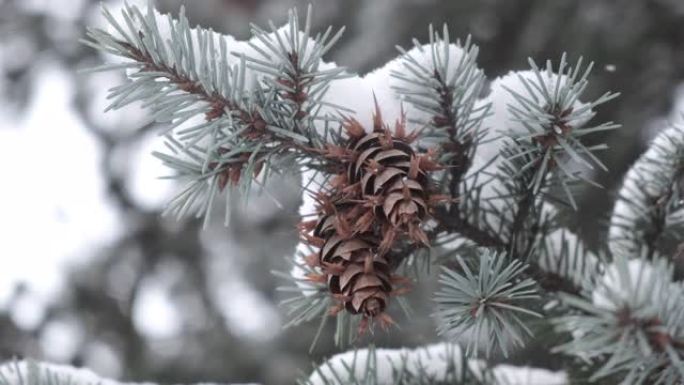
[
  {"x": 635, "y": 281},
  {"x": 648, "y": 179},
  {"x": 433, "y": 360},
  {"x": 36, "y": 373}
]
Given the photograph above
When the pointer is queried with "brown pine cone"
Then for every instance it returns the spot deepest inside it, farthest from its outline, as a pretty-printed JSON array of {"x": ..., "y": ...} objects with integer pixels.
[
  {"x": 394, "y": 177},
  {"x": 357, "y": 275},
  {"x": 384, "y": 192}
]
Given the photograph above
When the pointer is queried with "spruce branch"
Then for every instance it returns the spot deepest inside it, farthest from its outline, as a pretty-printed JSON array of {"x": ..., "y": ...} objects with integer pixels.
[
  {"x": 248, "y": 126},
  {"x": 631, "y": 320},
  {"x": 301, "y": 80},
  {"x": 545, "y": 122},
  {"x": 563, "y": 262},
  {"x": 487, "y": 307},
  {"x": 553, "y": 122},
  {"x": 444, "y": 84},
  {"x": 521, "y": 216},
  {"x": 522, "y": 226},
  {"x": 218, "y": 104},
  {"x": 29, "y": 372},
  {"x": 450, "y": 223},
  {"x": 238, "y": 111},
  {"x": 649, "y": 210}
]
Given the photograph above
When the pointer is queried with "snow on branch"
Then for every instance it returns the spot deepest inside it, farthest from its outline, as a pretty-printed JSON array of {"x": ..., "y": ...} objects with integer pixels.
[
  {"x": 34, "y": 373},
  {"x": 547, "y": 119},
  {"x": 649, "y": 211},
  {"x": 541, "y": 111},
  {"x": 441, "y": 83},
  {"x": 441, "y": 363},
  {"x": 235, "y": 109},
  {"x": 532, "y": 140},
  {"x": 631, "y": 321},
  {"x": 486, "y": 308},
  {"x": 411, "y": 156},
  {"x": 563, "y": 254},
  {"x": 28, "y": 372}
]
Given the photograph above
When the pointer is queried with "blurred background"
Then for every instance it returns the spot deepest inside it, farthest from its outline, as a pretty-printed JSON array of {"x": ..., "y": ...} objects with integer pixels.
[{"x": 93, "y": 276}]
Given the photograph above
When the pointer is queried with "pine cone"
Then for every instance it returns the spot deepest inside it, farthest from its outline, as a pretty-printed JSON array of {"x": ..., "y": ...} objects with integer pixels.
[
  {"x": 382, "y": 193},
  {"x": 357, "y": 274},
  {"x": 390, "y": 174}
]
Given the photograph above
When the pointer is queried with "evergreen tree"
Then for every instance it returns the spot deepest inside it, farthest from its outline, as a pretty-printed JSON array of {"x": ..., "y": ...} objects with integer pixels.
[{"x": 424, "y": 154}]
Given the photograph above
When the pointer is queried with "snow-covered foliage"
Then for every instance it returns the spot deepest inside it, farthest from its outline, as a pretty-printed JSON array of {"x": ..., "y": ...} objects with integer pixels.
[
  {"x": 518, "y": 93},
  {"x": 226, "y": 83},
  {"x": 442, "y": 363},
  {"x": 635, "y": 284},
  {"x": 562, "y": 252},
  {"x": 525, "y": 375},
  {"x": 634, "y": 314},
  {"x": 484, "y": 308},
  {"x": 650, "y": 205},
  {"x": 33, "y": 373},
  {"x": 483, "y": 176},
  {"x": 532, "y": 139}
]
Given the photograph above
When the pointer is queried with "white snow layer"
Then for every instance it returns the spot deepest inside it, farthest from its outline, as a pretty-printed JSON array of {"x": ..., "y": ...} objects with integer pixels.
[
  {"x": 503, "y": 120},
  {"x": 564, "y": 253},
  {"x": 525, "y": 375},
  {"x": 359, "y": 93},
  {"x": 34, "y": 373},
  {"x": 634, "y": 281},
  {"x": 432, "y": 360},
  {"x": 502, "y": 124},
  {"x": 17, "y": 373},
  {"x": 647, "y": 180}
]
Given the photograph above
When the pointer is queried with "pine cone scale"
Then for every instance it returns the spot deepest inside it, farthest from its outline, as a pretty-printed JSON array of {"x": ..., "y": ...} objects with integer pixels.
[{"x": 387, "y": 155}]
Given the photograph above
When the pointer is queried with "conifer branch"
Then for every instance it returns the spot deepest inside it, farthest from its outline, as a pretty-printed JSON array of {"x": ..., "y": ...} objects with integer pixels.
[
  {"x": 552, "y": 121},
  {"x": 634, "y": 317},
  {"x": 445, "y": 86},
  {"x": 241, "y": 110},
  {"x": 249, "y": 126},
  {"x": 487, "y": 305},
  {"x": 649, "y": 211},
  {"x": 219, "y": 104},
  {"x": 448, "y": 222}
]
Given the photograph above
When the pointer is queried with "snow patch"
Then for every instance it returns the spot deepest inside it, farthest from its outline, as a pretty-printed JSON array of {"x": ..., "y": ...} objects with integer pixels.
[
  {"x": 435, "y": 361},
  {"x": 644, "y": 184},
  {"x": 625, "y": 282},
  {"x": 525, "y": 375}
]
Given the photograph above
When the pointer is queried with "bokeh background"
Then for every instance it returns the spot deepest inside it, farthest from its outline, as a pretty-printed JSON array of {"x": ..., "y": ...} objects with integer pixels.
[{"x": 91, "y": 274}]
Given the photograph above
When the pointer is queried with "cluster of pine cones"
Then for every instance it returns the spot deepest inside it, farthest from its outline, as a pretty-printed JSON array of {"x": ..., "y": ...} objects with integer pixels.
[{"x": 376, "y": 204}]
